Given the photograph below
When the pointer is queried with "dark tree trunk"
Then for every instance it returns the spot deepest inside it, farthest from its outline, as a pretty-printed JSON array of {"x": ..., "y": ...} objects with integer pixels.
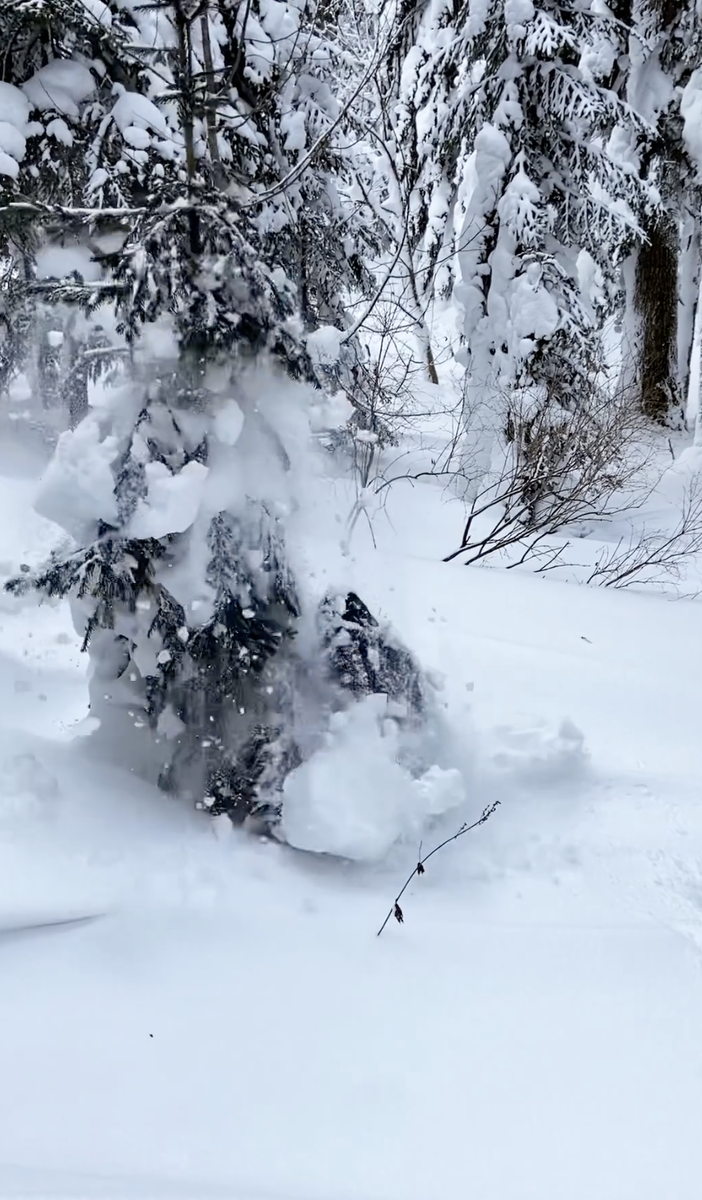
[{"x": 656, "y": 305}]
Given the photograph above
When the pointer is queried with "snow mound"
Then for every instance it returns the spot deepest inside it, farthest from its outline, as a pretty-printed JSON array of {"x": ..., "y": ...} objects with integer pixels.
[
  {"x": 29, "y": 790},
  {"x": 538, "y": 755},
  {"x": 353, "y": 798}
]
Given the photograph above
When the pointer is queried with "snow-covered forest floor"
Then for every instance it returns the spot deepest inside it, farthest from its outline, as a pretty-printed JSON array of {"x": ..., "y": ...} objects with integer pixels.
[{"x": 187, "y": 1011}]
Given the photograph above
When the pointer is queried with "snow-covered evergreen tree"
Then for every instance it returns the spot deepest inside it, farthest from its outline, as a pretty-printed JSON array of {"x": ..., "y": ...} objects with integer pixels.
[
  {"x": 215, "y": 157},
  {"x": 665, "y": 46},
  {"x": 524, "y": 163},
  {"x": 552, "y": 204},
  {"x": 497, "y": 126}
]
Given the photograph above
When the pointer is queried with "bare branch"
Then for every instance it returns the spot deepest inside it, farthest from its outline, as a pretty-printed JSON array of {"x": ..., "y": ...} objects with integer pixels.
[
  {"x": 655, "y": 557},
  {"x": 420, "y": 869}
]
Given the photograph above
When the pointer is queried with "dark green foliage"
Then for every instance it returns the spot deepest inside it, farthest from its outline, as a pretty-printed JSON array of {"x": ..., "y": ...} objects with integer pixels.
[
  {"x": 365, "y": 659},
  {"x": 111, "y": 573}
]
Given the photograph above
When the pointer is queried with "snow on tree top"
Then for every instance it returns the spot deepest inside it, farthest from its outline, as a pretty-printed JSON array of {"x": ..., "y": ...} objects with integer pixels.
[{"x": 61, "y": 85}]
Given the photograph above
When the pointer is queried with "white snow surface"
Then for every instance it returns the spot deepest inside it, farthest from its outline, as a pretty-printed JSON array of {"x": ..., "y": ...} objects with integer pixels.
[{"x": 190, "y": 1012}]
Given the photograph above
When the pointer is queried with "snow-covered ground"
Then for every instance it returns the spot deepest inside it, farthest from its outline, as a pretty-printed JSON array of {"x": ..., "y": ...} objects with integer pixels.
[{"x": 186, "y": 1012}]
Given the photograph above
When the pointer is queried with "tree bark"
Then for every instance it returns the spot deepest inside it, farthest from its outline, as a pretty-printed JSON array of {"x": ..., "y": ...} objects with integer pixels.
[{"x": 656, "y": 306}]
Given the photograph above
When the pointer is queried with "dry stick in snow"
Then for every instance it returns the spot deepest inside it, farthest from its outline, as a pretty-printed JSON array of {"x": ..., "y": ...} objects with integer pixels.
[{"x": 396, "y": 911}]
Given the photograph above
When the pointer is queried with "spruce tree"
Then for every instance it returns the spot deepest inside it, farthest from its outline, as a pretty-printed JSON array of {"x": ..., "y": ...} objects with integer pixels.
[
  {"x": 523, "y": 166},
  {"x": 181, "y": 583}
]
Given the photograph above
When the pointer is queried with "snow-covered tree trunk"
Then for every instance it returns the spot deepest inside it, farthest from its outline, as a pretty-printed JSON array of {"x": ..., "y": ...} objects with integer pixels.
[
  {"x": 480, "y": 292},
  {"x": 690, "y": 277},
  {"x": 691, "y": 116}
]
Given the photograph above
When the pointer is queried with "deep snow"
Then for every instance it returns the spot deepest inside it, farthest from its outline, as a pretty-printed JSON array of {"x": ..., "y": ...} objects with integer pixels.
[{"x": 188, "y": 1012}]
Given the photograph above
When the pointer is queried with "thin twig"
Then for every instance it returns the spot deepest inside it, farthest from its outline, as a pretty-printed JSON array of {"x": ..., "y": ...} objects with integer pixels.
[{"x": 396, "y": 911}]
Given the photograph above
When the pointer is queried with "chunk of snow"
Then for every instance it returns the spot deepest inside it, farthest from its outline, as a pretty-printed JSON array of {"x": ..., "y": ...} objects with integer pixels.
[
  {"x": 518, "y": 12},
  {"x": 590, "y": 281},
  {"x": 144, "y": 657},
  {"x": 622, "y": 149},
  {"x": 136, "y": 136},
  {"x": 8, "y": 166},
  {"x": 533, "y": 311},
  {"x": 11, "y": 141},
  {"x": 169, "y": 724},
  {"x": 539, "y": 756},
  {"x": 61, "y": 84},
  {"x": 292, "y": 127},
  {"x": 14, "y": 114},
  {"x": 29, "y": 791},
  {"x": 330, "y": 412},
  {"x": 132, "y": 110},
  {"x": 97, "y": 179},
  {"x": 353, "y": 799},
  {"x": 172, "y": 502},
  {"x": 59, "y": 129},
  {"x": 598, "y": 58},
  {"x": 228, "y": 423},
  {"x": 14, "y": 106},
  {"x": 19, "y": 391},
  {"x": 324, "y": 344},
  {"x": 485, "y": 171},
  {"x": 77, "y": 489}
]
